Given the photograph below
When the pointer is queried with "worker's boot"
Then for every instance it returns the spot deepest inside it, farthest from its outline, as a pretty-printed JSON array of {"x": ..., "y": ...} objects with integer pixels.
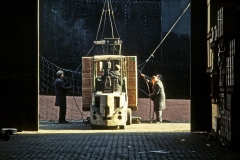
[{"x": 158, "y": 120}]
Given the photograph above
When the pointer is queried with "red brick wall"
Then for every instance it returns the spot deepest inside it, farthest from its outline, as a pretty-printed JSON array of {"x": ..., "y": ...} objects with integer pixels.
[{"x": 177, "y": 110}]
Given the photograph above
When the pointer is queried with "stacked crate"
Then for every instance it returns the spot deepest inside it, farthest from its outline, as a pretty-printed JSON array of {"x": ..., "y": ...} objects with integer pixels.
[
  {"x": 87, "y": 82},
  {"x": 131, "y": 67}
]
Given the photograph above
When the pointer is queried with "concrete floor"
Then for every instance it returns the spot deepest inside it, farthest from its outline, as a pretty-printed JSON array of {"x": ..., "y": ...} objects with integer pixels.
[{"x": 75, "y": 140}]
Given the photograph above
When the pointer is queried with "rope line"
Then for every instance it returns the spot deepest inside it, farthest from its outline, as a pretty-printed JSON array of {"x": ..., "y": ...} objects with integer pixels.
[{"x": 152, "y": 54}]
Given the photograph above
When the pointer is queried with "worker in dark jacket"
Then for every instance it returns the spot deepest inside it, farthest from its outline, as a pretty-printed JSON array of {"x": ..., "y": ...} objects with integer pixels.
[
  {"x": 158, "y": 95},
  {"x": 60, "y": 92}
]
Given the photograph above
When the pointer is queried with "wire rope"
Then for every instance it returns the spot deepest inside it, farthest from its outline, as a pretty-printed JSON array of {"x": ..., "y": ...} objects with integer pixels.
[
  {"x": 99, "y": 26},
  {"x": 114, "y": 19},
  {"x": 110, "y": 19},
  {"x": 152, "y": 54}
]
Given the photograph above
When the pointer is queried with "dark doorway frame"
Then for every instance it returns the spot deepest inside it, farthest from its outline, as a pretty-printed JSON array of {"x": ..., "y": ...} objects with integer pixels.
[
  {"x": 26, "y": 26},
  {"x": 200, "y": 84}
]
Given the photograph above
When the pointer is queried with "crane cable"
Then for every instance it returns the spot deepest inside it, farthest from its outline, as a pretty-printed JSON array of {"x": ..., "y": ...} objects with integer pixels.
[
  {"x": 114, "y": 18},
  {"x": 152, "y": 54},
  {"x": 109, "y": 8},
  {"x": 99, "y": 26},
  {"x": 150, "y": 100},
  {"x": 87, "y": 55},
  {"x": 109, "y": 14}
]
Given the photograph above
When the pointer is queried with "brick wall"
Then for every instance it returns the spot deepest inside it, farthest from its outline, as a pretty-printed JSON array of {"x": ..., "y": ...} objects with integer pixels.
[{"x": 178, "y": 110}]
